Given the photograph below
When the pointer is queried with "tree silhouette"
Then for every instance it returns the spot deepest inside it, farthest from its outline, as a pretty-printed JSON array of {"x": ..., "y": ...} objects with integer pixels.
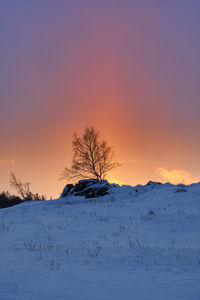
[
  {"x": 92, "y": 157},
  {"x": 23, "y": 189}
]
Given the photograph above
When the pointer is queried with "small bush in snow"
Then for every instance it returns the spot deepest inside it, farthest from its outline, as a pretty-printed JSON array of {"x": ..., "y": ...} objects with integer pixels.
[{"x": 180, "y": 190}]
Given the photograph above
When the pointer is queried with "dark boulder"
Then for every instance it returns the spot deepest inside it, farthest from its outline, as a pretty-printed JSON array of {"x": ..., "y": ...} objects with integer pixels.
[{"x": 89, "y": 188}]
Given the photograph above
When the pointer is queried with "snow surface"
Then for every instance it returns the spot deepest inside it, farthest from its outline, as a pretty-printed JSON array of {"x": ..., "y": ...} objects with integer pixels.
[{"x": 130, "y": 244}]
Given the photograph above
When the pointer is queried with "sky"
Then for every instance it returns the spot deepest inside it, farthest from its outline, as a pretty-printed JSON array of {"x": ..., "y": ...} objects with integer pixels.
[{"x": 130, "y": 68}]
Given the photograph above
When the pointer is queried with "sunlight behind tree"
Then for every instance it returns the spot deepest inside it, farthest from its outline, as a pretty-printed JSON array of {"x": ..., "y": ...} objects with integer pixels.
[{"x": 92, "y": 157}]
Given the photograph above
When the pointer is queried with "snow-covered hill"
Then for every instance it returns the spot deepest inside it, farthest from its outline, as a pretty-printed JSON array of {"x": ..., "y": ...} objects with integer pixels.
[{"x": 134, "y": 243}]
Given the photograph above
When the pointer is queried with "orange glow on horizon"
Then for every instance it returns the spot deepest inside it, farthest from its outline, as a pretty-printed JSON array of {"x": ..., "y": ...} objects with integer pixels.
[{"x": 123, "y": 68}]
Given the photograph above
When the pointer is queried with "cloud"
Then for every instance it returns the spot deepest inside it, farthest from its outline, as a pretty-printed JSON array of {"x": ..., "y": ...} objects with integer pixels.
[
  {"x": 6, "y": 162},
  {"x": 12, "y": 161},
  {"x": 176, "y": 176}
]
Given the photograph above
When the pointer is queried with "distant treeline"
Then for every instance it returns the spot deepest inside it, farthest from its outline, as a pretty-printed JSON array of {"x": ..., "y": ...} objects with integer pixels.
[
  {"x": 7, "y": 200},
  {"x": 23, "y": 191}
]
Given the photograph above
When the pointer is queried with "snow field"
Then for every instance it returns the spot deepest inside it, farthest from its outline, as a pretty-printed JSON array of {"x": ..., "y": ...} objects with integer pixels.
[{"x": 125, "y": 245}]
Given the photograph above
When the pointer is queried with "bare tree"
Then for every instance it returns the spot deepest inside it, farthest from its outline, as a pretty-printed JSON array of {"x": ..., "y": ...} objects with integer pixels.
[
  {"x": 23, "y": 189},
  {"x": 92, "y": 157}
]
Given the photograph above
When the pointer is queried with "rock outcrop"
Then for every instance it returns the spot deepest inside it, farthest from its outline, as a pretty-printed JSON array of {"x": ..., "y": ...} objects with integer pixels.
[{"x": 88, "y": 188}]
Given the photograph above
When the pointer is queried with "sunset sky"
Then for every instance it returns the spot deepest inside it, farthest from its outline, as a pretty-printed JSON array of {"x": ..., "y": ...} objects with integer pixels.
[{"x": 130, "y": 68}]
